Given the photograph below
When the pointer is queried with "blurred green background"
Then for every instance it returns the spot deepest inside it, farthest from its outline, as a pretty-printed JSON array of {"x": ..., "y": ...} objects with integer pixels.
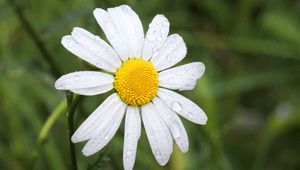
[{"x": 250, "y": 91}]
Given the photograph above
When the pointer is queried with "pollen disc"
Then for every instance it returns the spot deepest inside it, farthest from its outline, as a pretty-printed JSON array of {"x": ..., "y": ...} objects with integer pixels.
[{"x": 136, "y": 82}]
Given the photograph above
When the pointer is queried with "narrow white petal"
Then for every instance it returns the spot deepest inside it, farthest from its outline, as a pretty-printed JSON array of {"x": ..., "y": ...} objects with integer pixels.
[
  {"x": 123, "y": 29},
  {"x": 131, "y": 136},
  {"x": 93, "y": 91},
  {"x": 75, "y": 48},
  {"x": 174, "y": 124},
  {"x": 172, "y": 52},
  {"x": 182, "y": 77},
  {"x": 107, "y": 128},
  {"x": 97, "y": 46},
  {"x": 182, "y": 106},
  {"x": 112, "y": 33},
  {"x": 98, "y": 119},
  {"x": 85, "y": 82},
  {"x": 158, "y": 134},
  {"x": 155, "y": 37}
]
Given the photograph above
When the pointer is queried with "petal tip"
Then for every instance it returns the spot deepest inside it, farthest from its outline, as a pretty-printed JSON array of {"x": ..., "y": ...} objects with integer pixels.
[
  {"x": 67, "y": 41},
  {"x": 58, "y": 85},
  {"x": 75, "y": 139},
  {"x": 184, "y": 149},
  {"x": 98, "y": 11},
  {"x": 87, "y": 152},
  {"x": 203, "y": 120}
]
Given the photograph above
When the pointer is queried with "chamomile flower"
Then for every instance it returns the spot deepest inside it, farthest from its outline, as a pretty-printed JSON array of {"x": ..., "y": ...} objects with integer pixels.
[{"x": 139, "y": 72}]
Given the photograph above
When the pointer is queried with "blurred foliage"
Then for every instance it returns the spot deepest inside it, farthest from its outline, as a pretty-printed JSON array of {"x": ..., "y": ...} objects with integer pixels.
[{"x": 250, "y": 91}]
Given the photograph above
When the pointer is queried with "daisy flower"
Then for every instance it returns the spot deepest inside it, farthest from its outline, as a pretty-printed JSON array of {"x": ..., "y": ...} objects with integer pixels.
[{"x": 138, "y": 71}]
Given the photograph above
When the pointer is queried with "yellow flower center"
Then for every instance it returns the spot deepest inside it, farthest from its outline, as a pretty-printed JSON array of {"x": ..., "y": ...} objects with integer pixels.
[{"x": 136, "y": 82}]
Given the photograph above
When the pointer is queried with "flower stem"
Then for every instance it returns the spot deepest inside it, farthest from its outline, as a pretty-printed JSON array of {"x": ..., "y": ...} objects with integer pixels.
[
  {"x": 44, "y": 132},
  {"x": 72, "y": 104}
]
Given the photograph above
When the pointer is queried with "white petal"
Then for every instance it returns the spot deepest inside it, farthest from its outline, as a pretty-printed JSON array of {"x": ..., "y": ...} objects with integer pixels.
[
  {"x": 158, "y": 134},
  {"x": 182, "y": 77},
  {"x": 98, "y": 119},
  {"x": 174, "y": 124},
  {"x": 123, "y": 29},
  {"x": 85, "y": 82},
  {"x": 172, "y": 52},
  {"x": 131, "y": 136},
  {"x": 183, "y": 106},
  {"x": 97, "y": 46},
  {"x": 75, "y": 48},
  {"x": 107, "y": 128},
  {"x": 94, "y": 90},
  {"x": 156, "y": 36}
]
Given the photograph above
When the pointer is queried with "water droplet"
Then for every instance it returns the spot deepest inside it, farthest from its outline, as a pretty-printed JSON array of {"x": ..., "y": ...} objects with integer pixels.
[
  {"x": 158, "y": 157},
  {"x": 128, "y": 153},
  {"x": 155, "y": 51},
  {"x": 92, "y": 49},
  {"x": 190, "y": 115},
  {"x": 192, "y": 72},
  {"x": 176, "y": 106},
  {"x": 127, "y": 135},
  {"x": 175, "y": 52},
  {"x": 165, "y": 23},
  {"x": 164, "y": 156},
  {"x": 106, "y": 137},
  {"x": 203, "y": 119},
  {"x": 124, "y": 9},
  {"x": 97, "y": 38},
  {"x": 159, "y": 38},
  {"x": 169, "y": 57},
  {"x": 175, "y": 129}
]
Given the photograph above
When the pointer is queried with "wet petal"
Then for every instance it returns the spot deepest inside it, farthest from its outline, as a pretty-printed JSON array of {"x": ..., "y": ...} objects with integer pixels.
[{"x": 183, "y": 106}]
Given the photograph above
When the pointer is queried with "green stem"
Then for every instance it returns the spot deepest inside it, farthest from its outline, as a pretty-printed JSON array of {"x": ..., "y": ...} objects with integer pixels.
[
  {"x": 60, "y": 108},
  {"x": 72, "y": 104},
  {"x": 51, "y": 120}
]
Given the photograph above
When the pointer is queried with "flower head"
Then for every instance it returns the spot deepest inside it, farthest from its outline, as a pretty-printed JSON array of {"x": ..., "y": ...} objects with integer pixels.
[{"x": 142, "y": 78}]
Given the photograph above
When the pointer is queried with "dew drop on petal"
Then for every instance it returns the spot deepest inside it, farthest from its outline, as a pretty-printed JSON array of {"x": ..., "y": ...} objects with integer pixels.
[
  {"x": 191, "y": 71},
  {"x": 159, "y": 38},
  {"x": 158, "y": 157},
  {"x": 98, "y": 54},
  {"x": 190, "y": 115},
  {"x": 97, "y": 38},
  {"x": 124, "y": 9},
  {"x": 155, "y": 51},
  {"x": 106, "y": 137},
  {"x": 92, "y": 49},
  {"x": 169, "y": 57},
  {"x": 175, "y": 129},
  {"x": 176, "y": 106},
  {"x": 203, "y": 119},
  {"x": 165, "y": 23}
]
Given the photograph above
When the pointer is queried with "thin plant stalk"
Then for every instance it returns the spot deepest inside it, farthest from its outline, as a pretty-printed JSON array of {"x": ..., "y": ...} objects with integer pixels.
[{"x": 72, "y": 101}]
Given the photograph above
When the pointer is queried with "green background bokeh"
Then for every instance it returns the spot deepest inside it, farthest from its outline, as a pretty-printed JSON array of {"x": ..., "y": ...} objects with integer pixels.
[{"x": 250, "y": 90}]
